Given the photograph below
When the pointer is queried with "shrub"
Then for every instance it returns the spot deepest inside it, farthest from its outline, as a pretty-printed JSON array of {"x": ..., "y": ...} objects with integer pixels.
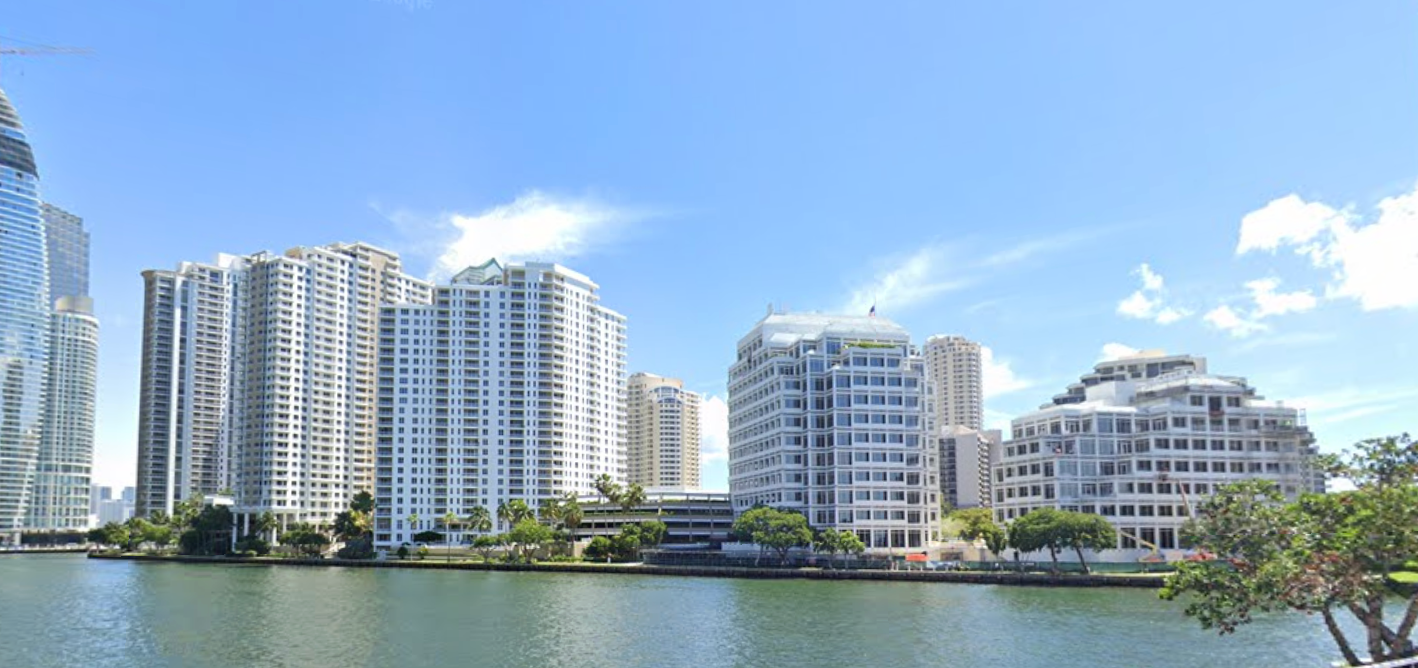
[
  {"x": 256, "y": 545},
  {"x": 403, "y": 552}
]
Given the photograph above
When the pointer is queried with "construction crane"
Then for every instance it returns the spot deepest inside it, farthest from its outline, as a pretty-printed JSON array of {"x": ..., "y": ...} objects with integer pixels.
[{"x": 27, "y": 49}]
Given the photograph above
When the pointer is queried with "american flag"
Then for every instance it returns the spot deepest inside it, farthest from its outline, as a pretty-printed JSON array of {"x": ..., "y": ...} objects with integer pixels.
[{"x": 872, "y": 312}]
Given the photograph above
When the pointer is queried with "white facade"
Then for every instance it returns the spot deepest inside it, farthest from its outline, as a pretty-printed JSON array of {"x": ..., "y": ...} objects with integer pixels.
[
  {"x": 186, "y": 413},
  {"x": 965, "y": 466},
  {"x": 66, "y": 450},
  {"x": 954, "y": 364},
  {"x": 662, "y": 432},
  {"x": 828, "y": 416},
  {"x": 511, "y": 385},
  {"x": 259, "y": 377},
  {"x": 306, "y": 354},
  {"x": 1142, "y": 453}
]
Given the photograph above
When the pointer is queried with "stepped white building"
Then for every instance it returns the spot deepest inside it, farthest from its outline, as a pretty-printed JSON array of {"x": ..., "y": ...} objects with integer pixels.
[
  {"x": 828, "y": 416},
  {"x": 1142, "y": 449},
  {"x": 662, "y": 432},
  {"x": 510, "y": 385}
]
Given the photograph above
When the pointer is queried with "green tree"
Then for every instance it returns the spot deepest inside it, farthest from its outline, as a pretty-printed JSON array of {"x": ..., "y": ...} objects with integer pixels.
[
  {"x": 1324, "y": 553},
  {"x": 363, "y": 502},
  {"x": 402, "y": 552},
  {"x": 413, "y": 522},
  {"x": 652, "y": 533},
  {"x": 828, "y": 541},
  {"x": 511, "y": 513},
  {"x": 485, "y": 544},
  {"x": 138, "y": 530},
  {"x": 996, "y": 540},
  {"x": 1041, "y": 529},
  {"x": 778, "y": 530},
  {"x": 185, "y": 512},
  {"x": 608, "y": 489},
  {"x": 160, "y": 518},
  {"x": 572, "y": 515},
  {"x": 265, "y": 525},
  {"x": 351, "y": 525},
  {"x": 626, "y": 544},
  {"x": 1087, "y": 531},
  {"x": 112, "y": 533},
  {"x": 479, "y": 520},
  {"x": 160, "y": 535},
  {"x": 550, "y": 511},
  {"x": 852, "y": 543},
  {"x": 528, "y": 535},
  {"x": 307, "y": 539},
  {"x": 633, "y": 497},
  {"x": 974, "y": 522},
  {"x": 449, "y": 522},
  {"x": 600, "y": 547}
]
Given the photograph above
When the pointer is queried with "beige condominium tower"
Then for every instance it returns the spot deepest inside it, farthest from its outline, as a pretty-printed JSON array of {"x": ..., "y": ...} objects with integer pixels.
[{"x": 663, "y": 432}]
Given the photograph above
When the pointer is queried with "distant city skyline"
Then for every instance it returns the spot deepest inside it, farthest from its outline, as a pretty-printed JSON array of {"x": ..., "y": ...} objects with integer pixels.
[{"x": 1055, "y": 195}]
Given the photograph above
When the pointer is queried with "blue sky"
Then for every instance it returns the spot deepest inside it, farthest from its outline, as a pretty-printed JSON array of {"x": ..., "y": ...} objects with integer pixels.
[{"x": 1235, "y": 180}]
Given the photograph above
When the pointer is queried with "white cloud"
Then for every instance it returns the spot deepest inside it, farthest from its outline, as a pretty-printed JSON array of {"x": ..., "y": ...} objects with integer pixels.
[
  {"x": 1285, "y": 221},
  {"x": 534, "y": 226},
  {"x": 998, "y": 420},
  {"x": 998, "y": 376},
  {"x": 1148, "y": 302},
  {"x": 1373, "y": 264},
  {"x": 1228, "y": 320},
  {"x": 1117, "y": 351},
  {"x": 1269, "y": 302},
  {"x": 906, "y": 282},
  {"x": 713, "y": 430},
  {"x": 914, "y": 278},
  {"x": 1343, "y": 405}
]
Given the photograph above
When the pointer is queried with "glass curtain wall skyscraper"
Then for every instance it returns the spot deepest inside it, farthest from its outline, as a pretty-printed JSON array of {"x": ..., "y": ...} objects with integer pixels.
[{"x": 24, "y": 321}]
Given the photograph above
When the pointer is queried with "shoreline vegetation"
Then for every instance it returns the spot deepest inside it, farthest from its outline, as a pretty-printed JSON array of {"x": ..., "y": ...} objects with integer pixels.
[{"x": 1037, "y": 579}]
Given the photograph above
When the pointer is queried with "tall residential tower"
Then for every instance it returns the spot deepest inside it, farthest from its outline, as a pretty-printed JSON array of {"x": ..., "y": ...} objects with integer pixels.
[
  {"x": 510, "y": 385},
  {"x": 954, "y": 364},
  {"x": 663, "y": 432},
  {"x": 24, "y": 322},
  {"x": 258, "y": 376}
]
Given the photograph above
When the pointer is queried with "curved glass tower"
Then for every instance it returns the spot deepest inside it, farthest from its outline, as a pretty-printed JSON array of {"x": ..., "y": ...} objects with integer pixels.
[{"x": 24, "y": 321}]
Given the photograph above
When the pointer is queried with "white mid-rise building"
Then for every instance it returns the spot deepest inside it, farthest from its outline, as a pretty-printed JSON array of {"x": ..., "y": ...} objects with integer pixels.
[
  {"x": 1143, "y": 450},
  {"x": 511, "y": 385},
  {"x": 828, "y": 416},
  {"x": 955, "y": 367},
  {"x": 965, "y": 465},
  {"x": 662, "y": 432}
]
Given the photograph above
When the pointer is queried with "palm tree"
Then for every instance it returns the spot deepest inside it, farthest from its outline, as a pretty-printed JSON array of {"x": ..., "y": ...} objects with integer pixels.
[
  {"x": 479, "y": 520},
  {"x": 571, "y": 516},
  {"x": 504, "y": 514},
  {"x": 266, "y": 525},
  {"x": 607, "y": 488},
  {"x": 448, "y": 519},
  {"x": 634, "y": 496},
  {"x": 413, "y": 524},
  {"x": 518, "y": 510},
  {"x": 550, "y": 511}
]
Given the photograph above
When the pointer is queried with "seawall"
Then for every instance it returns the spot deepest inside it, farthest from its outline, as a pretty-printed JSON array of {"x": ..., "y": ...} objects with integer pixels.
[{"x": 1013, "y": 579}]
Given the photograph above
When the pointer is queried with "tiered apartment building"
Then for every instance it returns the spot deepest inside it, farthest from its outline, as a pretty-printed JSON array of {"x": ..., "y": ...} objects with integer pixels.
[{"x": 1143, "y": 449}]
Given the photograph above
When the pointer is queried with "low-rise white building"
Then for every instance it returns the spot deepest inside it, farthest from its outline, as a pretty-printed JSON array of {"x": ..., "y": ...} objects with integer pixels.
[{"x": 1143, "y": 452}]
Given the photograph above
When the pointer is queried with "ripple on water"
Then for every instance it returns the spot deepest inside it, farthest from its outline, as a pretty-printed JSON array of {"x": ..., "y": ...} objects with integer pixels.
[{"x": 69, "y": 611}]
